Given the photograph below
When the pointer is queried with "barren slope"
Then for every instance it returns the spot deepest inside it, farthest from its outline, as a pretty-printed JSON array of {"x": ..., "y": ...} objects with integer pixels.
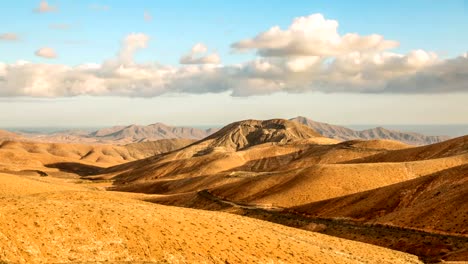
[
  {"x": 325, "y": 181},
  {"x": 52, "y": 227},
  {"x": 17, "y": 155},
  {"x": 452, "y": 147},
  {"x": 437, "y": 202},
  {"x": 239, "y": 163}
]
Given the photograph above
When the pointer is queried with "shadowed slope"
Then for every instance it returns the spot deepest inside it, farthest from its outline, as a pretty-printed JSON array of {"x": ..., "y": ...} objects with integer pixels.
[
  {"x": 452, "y": 147},
  {"x": 437, "y": 202},
  {"x": 324, "y": 181}
]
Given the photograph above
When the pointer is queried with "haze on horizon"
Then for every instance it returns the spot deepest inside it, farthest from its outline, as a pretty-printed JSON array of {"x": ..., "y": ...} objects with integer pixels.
[{"x": 95, "y": 63}]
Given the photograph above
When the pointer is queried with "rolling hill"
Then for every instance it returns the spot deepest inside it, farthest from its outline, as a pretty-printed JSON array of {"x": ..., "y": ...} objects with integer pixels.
[
  {"x": 436, "y": 202},
  {"x": 23, "y": 155},
  {"x": 273, "y": 162}
]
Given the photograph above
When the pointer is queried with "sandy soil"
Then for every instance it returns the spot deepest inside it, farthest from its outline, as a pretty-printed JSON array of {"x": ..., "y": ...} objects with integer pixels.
[{"x": 58, "y": 221}]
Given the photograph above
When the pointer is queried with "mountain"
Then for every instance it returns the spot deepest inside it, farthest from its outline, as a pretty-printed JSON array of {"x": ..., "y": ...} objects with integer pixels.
[
  {"x": 247, "y": 133},
  {"x": 273, "y": 162},
  {"x": 155, "y": 131},
  {"x": 273, "y": 170},
  {"x": 344, "y": 133},
  {"x": 117, "y": 135},
  {"x": 139, "y": 133}
]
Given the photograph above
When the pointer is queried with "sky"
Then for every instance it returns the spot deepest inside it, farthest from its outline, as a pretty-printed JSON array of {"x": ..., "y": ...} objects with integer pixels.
[{"x": 99, "y": 63}]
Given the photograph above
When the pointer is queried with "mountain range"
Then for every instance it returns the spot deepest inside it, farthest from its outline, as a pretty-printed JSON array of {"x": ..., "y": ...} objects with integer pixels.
[
  {"x": 157, "y": 131},
  {"x": 344, "y": 133}
]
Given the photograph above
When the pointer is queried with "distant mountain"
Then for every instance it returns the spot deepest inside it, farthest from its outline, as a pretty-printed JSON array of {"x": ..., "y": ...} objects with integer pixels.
[
  {"x": 344, "y": 133},
  {"x": 140, "y": 133},
  {"x": 136, "y": 133},
  {"x": 114, "y": 135}
]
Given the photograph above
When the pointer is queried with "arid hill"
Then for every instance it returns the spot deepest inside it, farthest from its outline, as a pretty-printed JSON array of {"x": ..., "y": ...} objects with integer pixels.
[
  {"x": 45, "y": 220},
  {"x": 344, "y": 133},
  {"x": 227, "y": 149},
  {"x": 21, "y": 155},
  {"x": 436, "y": 202},
  {"x": 271, "y": 162},
  {"x": 452, "y": 147},
  {"x": 247, "y": 133}
]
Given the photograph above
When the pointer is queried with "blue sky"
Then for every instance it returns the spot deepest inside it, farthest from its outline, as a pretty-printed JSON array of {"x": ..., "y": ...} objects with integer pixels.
[
  {"x": 177, "y": 25},
  {"x": 96, "y": 31}
]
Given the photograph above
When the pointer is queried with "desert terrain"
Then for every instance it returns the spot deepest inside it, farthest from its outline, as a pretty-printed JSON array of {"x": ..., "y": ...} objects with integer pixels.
[{"x": 254, "y": 191}]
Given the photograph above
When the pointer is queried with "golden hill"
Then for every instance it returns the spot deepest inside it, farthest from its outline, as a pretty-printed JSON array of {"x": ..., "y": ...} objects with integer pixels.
[
  {"x": 436, "y": 202},
  {"x": 50, "y": 222},
  {"x": 452, "y": 147},
  {"x": 19, "y": 155},
  {"x": 290, "y": 171}
]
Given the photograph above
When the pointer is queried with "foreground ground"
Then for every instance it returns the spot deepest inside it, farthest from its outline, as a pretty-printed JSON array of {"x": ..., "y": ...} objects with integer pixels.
[{"x": 45, "y": 219}]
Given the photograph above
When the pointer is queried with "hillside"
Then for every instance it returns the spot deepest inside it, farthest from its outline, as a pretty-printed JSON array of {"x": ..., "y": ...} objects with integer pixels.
[
  {"x": 452, "y": 147},
  {"x": 344, "y": 133},
  {"x": 22, "y": 155},
  {"x": 271, "y": 162},
  {"x": 436, "y": 202},
  {"x": 53, "y": 225}
]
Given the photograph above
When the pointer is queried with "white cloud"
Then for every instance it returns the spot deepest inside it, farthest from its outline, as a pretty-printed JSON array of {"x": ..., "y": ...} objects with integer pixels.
[
  {"x": 46, "y": 52},
  {"x": 147, "y": 16},
  {"x": 197, "y": 55},
  {"x": 312, "y": 36},
  {"x": 352, "y": 68},
  {"x": 44, "y": 7},
  {"x": 9, "y": 37},
  {"x": 130, "y": 45}
]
